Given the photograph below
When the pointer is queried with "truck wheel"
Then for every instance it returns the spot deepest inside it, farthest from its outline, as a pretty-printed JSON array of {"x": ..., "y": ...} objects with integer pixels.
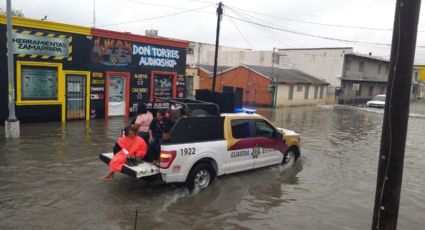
[
  {"x": 200, "y": 176},
  {"x": 290, "y": 157}
]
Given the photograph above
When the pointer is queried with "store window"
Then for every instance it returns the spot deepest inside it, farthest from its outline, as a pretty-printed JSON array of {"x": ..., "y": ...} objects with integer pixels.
[
  {"x": 291, "y": 92},
  {"x": 361, "y": 66},
  {"x": 307, "y": 88},
  {"x": 370, "y": 90},
  {"x": 359, "y": 92},
  {"x": 39, "y": 83},
  {"x": 316, "y": 90},
  {"x": 348, "y": 64}
]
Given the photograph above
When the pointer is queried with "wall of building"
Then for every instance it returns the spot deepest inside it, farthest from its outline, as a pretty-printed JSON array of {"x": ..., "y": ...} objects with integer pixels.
[
  {"x": 203, "y": 53},
  {"x": 255, "y": 86},
  {"x": 298, "y": 98},
  {"x": 246, "y": 57},
  {"x": 373, "y": 70},
  {"x": 193, "y": 72},
  {"x": 325, "y": 64},
  {"x": 367, "y": 90},
  {"x": 372, "y": 77}
]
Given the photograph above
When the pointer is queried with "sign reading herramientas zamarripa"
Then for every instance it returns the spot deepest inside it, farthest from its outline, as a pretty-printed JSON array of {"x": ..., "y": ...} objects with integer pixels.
[{"x": 40, "y": 45}]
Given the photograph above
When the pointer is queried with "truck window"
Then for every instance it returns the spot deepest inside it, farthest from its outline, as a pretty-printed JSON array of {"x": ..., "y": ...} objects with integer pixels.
[
  {"x": 263, "y": 129},
  {"x": 241, "y": 129}
]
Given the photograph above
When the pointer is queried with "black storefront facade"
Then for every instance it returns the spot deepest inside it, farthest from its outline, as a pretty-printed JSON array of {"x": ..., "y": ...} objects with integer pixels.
[{"x": 65, "y": 72}]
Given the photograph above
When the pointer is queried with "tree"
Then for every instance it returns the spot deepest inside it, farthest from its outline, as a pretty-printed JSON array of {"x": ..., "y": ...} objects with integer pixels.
[{"x": 14, "y": 12}]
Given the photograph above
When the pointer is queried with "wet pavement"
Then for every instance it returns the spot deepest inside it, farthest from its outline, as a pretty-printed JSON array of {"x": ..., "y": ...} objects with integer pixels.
[{"x": 50, "y": 179}]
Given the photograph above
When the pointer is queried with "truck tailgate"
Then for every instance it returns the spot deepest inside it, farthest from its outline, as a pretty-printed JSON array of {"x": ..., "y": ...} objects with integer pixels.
[{"x": 143, "y": 169}]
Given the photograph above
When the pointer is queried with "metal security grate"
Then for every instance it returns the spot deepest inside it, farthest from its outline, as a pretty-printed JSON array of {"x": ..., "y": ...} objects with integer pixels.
[{"x": 75, "y": 97}]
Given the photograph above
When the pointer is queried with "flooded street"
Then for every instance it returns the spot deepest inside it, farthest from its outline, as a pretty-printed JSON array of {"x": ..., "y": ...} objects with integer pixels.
[{"x": 50, "y": 179}]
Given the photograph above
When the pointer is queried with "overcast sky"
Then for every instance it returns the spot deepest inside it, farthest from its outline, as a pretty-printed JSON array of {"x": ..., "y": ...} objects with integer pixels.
[{"x": 136, "y": 16}]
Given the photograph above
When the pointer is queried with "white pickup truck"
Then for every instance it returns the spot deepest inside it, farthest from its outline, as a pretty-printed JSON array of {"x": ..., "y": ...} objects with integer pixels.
[{"x": 201, "y": 148}]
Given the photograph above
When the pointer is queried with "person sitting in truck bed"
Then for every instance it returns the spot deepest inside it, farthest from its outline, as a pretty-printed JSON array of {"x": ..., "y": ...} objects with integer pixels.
[
  {"x": 165, "y": 125},
  {"x": 129, "y": 145},
  {"x": 154, "y": 144},
  {"x": 143, "y": 122}
]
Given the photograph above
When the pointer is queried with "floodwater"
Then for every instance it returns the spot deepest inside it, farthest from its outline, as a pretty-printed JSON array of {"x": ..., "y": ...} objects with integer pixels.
[{"x": 50, "y": 179}]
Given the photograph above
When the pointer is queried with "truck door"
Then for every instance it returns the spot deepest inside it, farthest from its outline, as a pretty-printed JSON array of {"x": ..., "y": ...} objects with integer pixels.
[
  {"x": 240, "y": 143},
  {"x": 270, "y": 148}
]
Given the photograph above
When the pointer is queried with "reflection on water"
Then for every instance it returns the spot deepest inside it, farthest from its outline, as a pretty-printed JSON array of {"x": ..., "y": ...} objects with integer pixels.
[{"x": 50, "y": 180}]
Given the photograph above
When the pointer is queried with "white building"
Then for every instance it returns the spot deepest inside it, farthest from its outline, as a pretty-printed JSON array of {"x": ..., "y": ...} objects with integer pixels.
[
  {"x": 323, "y": 63},
  {"x": 199, "y": 53}
]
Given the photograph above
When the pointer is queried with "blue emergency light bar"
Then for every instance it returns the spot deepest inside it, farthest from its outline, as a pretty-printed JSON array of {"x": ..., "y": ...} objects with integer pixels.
[{"x": 245, "y": 110}]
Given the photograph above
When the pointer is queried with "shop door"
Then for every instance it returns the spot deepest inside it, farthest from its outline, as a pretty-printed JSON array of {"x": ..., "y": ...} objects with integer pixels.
[
  {"x": 117, "y": 96},
  {"x": 75, "y": 96}
]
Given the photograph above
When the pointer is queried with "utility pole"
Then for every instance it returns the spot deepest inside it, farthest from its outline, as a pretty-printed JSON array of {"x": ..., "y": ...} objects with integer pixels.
[
  {"x": 396, "y": 115},
  {"x": 276, "y": 80},
  {"x": 12, "y": 123},
  {"x": 217, "y": 38}
]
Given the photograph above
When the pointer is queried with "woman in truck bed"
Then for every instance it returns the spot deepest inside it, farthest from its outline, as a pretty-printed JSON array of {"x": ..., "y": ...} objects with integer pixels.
[
  {"x": 131, "y": 146},
  {"x": 143, "y": 122}
]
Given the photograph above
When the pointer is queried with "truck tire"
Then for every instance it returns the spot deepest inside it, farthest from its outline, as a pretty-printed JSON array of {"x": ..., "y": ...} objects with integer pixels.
[
  {"x": 290, "y": 156},
  {"x": 200, "y": 176}
]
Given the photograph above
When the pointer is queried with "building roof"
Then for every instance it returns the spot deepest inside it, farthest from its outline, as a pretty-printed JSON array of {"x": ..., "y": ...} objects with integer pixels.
[
  {"x": 286, "y": 75},
  {"x": 210, "y": 68},
  {"x": 69, "y": 28},
  {"x": 363, "y": 80},
  {"x": 274, "y": 74},
  {"x": 46, "y": 25},
  {"x": 321, "y": 48},
  {"x": 376, "y": 58},
  {"x": 138, "y": 38}
]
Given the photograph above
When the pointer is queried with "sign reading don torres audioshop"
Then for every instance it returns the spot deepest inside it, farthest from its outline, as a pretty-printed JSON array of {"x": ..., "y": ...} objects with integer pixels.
[{"x": 40, "y": 45}]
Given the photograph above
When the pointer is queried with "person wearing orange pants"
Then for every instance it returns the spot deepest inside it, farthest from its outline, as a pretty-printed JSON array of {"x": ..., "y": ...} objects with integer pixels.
[{"x": 131, "y": 145}]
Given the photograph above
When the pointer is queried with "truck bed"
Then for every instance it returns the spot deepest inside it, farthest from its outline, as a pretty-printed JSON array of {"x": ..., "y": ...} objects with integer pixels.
[{"x": 143, "y": 169}]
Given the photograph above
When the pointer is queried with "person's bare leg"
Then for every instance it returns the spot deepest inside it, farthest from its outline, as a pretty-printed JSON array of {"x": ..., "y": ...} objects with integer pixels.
[{"x": 108, "y": 177}]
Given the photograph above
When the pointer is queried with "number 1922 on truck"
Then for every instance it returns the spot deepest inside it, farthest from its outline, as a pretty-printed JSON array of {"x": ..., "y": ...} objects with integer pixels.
[{"x": 201, "y": 148}]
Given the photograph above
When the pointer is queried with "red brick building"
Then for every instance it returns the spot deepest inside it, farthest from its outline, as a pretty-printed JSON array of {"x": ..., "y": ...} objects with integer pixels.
[{"x": 255, "y": 86}]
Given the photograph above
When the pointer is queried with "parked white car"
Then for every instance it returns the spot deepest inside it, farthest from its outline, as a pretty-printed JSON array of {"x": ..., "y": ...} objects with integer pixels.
[{"x": 378, "y": 101}]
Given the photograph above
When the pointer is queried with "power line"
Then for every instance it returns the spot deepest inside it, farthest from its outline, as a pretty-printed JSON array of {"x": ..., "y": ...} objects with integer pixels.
[
  {"x": 270, "y": 34},
  {"x": 243, "y": 36},
  {"x": 155, "y": 4},
  {"x": 317, "y": 23},
  {"x": 200, "y": 1},
  {"x": 248, "y": 17},
  {"x": 311, "y": 35},
  {"x": 156, "y": 17}
]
